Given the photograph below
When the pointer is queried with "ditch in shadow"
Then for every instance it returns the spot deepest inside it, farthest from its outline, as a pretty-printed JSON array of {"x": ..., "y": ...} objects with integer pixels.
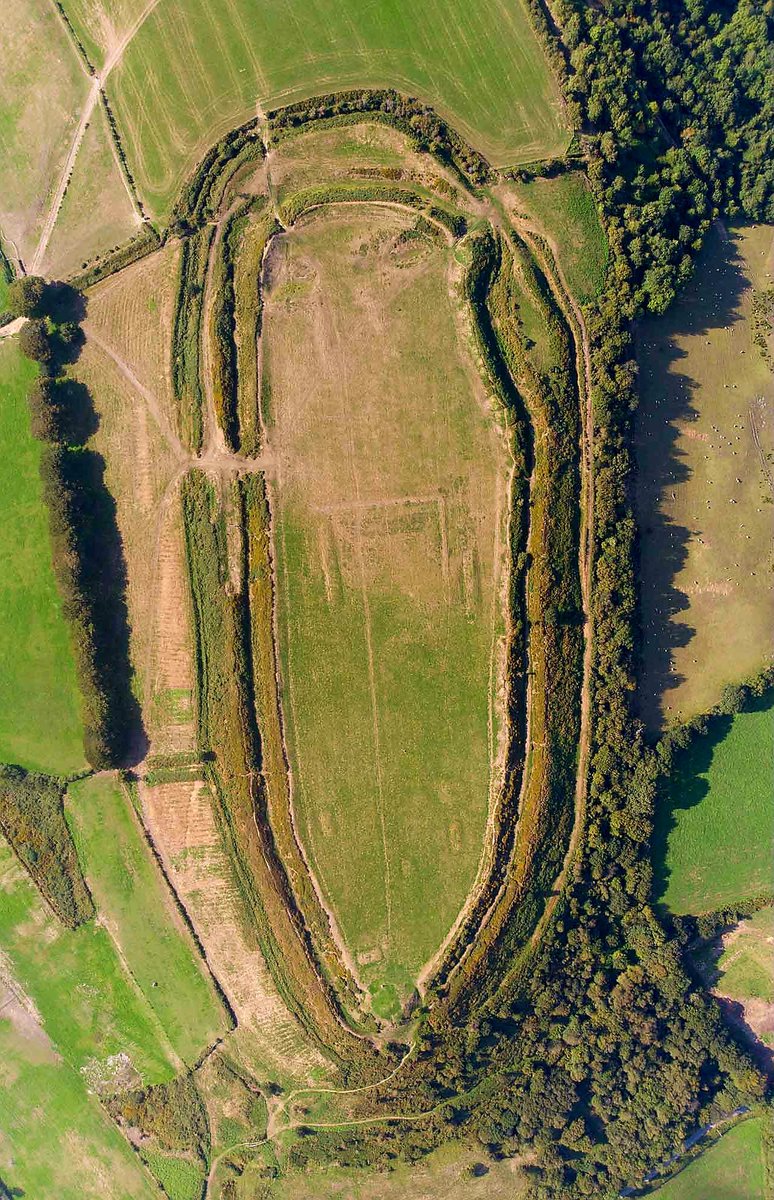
[
  {"x": 709, "y": 302},
  {"x": 10, "y": 1193}
]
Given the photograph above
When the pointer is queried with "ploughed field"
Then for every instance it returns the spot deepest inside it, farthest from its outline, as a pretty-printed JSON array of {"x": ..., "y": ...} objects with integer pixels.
[{"x": 389, "y": 500}]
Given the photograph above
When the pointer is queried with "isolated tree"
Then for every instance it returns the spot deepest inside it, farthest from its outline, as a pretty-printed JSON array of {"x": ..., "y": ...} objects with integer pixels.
[
  {"x": 26, "y": 296},
  {"x": 35, "y": 341}
]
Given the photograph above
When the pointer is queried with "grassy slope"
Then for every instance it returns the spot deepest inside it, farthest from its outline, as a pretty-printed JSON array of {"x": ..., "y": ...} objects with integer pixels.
[
  {"x": 104, "y": 1014},
  {"x": 704, "y": 499},
  {"x": 56, "y": 1142},
  {"x": 132, "y": 898},
  {"x": 369, "y": 584},
  {"x": 715, "y": 839},
  {"x": 40, "y": 726},
  {"x": 193, "y": 71},
  {"x": 732, "y": 1169},
  {"x": 564, "y": 208},
  {"x": 42, "y": 88},
  {"x": 97, "y": 213},
  {"x": 747, "y": 965}
]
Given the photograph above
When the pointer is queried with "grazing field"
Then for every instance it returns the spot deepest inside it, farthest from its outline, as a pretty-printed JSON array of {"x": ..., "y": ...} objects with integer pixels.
[
  {"x": 97, "y": 212},
  {"x": 731, "y": 1169},
  {"x": 563, "y": 209},
  {"x": 714, "y": 833},
  {"x": 389, "y": 507},
  {"x": 42, "y": 90},
  {"x": 40, "y": 726},
  {"x": 192, "y": 71},
  {"x": 105, "y": 1016},
  {"x": 705, "y": 436},
  {"x": 56, "y": 1142},
  {"x": 455, "y": 1172},
  {"x": 137, "y": 908},
  {"x": 739, "y": 966}
]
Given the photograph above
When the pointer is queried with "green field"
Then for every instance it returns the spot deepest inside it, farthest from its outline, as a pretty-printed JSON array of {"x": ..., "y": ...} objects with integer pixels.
[
  {"x": 714, "y": 831},
  {"x": 704, "y": 441},
  {"x": 195, "y": 70},
  {"x": 564, "y": 210},
  {"x": 42, "y": 89},
  {"x": 746, "y": 965},
  {"x": 732, "y": 1169},
  {"x": 40, "y": 726},
  {"x": 56, "y": 1142},
  {"x": 89, "y": 1006},
  {"x": 389, "y": 510},
  {"x": 138, "y": 909}
]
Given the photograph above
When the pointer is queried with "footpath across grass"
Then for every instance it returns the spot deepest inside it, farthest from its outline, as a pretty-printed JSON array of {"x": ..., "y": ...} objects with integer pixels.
[
  {"x": 40, "y": 726},
  {"x": 714, "y": 833}
]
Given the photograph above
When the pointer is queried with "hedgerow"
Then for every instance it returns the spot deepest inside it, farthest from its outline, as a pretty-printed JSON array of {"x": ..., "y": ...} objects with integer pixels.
[
  {"x": 32, "y": 819},
  {"x": 186, "y": 338}
]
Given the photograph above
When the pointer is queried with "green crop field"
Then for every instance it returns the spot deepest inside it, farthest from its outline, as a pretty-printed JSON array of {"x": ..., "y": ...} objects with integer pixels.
[
  {"x": 138, "y": 909},
  {"x": 105, "y": 1015},
  {"x": 390, "y": 511},
  {"x": 40, "y": 726},
  {"x": 705, "y": 436},
  {"x": 732, "y": 1169},
  {"x": 56, "y": 1142},
  {"x": 715, "y": 835},
  {"x": 564, "y": 210},
  {"x": 194, "y": 70}
]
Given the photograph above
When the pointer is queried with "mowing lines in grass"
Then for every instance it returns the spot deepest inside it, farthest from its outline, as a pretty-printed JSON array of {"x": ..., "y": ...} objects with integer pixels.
[
  {"x": 138, "y": 910},
  {"x": 40, "y": 726},
  {"x": 390, "y": 511},
  {"x": 194, "y": 70},
  {"x": 714, "y": 832}
]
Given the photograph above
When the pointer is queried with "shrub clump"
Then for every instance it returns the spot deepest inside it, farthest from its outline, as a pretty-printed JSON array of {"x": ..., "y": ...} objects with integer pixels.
[{"x": 32, "y": 819}]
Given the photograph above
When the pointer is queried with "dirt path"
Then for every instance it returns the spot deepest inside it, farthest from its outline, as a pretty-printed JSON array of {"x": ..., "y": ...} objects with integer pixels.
[{"x": 97, "y": 85}]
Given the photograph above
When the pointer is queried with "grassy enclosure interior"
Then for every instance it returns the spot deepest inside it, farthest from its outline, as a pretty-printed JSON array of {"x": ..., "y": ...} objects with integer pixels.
[
  {"x": 40, "y": 725},
  {"x": 389, "y": 508}
]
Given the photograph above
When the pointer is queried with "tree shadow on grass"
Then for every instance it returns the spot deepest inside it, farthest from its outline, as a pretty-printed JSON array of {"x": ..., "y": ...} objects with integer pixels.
[{"x": 668, "y": 396}]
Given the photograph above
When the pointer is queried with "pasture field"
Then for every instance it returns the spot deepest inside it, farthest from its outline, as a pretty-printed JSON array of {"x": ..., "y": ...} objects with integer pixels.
[
  {"x": 389, "y": 509},
  {"x": 739, "y": 966},
  {"x": 105, "y": 1015},
  {"x": 69, "y": 1150},
  {"x": 731, "y": 1169},
  {"x": 40, "y": 726},
  {"x": 137, "y": 908},
  {"x": 445, "y": 1174},
  {"x": 97, "y": 212},
  {"x": 714, "y": 834},
  {"x": 194, "y": 70},
  {"x": 705, "y": 434},
  {"x": 42, "y": 91},
  {"x": 563, "y": 209}
]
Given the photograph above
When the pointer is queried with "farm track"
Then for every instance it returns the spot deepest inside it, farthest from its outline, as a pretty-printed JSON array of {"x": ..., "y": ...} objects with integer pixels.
[{"x": 99, "y": 79}]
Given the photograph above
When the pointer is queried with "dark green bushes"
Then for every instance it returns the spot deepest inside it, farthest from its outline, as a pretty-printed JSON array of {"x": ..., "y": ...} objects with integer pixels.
[
  {"x": 32, "y": 819},
  {"x": 411, "y": 116},
  {"x": 173, "y": 1113},
  {"x": 186, "y": 338},
  {"x": 202, "y": 195},
  {"x": 143, "y": 243}
]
